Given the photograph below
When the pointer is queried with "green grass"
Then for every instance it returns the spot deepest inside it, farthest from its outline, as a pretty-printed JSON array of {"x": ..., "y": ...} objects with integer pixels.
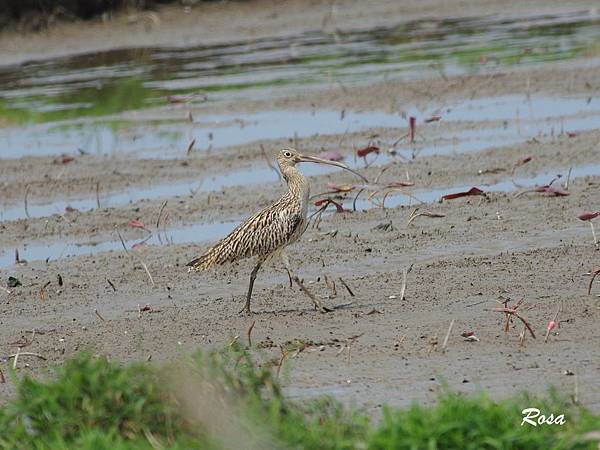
[{"x": 225, "y": 399}]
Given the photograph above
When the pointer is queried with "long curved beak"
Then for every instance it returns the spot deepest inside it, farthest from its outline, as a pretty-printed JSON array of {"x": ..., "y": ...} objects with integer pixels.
[{"x": 314, "y": 159}]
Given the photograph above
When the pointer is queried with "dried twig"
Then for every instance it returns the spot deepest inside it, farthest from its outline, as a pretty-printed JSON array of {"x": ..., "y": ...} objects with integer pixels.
[
  {"x": 19, "y": 353},
  {"x": 347, "y": 287},
  {"x": 249, "y": 334},
  {"x": 135, "y": 255},
  {"x": 512, "y": 311},
  {"x": 99, "y": 315},
  {"x": 331, "y": 285},
  {"x": 347, "y": 346},
  {"x": 445, "y": 343},
  {"x": 433, "y": 343},
  {"x": 25, "y": 200},
  {"x": 25, "y": 342},
  {"x": 98, "y": 194},
  {"x": 522, "y": 335},
  {"x": 594, "y": 234},
  {"x": 43, "y": 291},
  {"x": 568, "y": 178},
  {"x": 233, "y": 341},
  {"x": 160, "y": 213},
  {"x": 112, "y": 285},
  {"x": 16, "y": 356},
  {"x": 383, "y": 169},
  {"x": 284, "y": 354},
  {"x": 3, "y": 289},
  {"x": 190, "y": 146},
  {"x": 269, "y": 163},
  {"x": 356, "y": 198},
  {"x": 594, "y": 273},
  {"x": 414, "y": 215},
  {"x": 405, "y": 273}
]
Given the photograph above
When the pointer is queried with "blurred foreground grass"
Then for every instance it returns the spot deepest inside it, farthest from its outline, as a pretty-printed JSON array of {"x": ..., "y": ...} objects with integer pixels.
[{"x": 226, "y": 400}]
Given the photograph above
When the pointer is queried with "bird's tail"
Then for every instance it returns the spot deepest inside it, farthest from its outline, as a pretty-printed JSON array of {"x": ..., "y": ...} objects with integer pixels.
[
  {"x": 196, "y": 263},
  {"x": 210, "y": 258}
]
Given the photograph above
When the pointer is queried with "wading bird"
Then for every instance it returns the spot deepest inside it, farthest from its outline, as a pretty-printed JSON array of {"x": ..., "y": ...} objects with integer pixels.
[{"x": 268, "y": 232}]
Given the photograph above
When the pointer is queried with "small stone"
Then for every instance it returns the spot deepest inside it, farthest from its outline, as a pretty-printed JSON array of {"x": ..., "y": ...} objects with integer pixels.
[{"x": 13, "y": 282}]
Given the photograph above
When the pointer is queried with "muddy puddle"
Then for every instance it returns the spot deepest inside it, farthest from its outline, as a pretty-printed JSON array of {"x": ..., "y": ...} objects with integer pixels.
[{"x": 210, "y": 232}]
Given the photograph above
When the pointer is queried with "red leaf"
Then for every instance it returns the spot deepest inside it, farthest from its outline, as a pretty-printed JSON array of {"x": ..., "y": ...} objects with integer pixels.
[
  {"x": 327, "y": 201},
  {"x": 472, "y": 191},
  {"x": 524, "y": 160},
  {"x": 340, "y": 187},
  {"x": 136, "y": 224},
  {"x": 64, "y": 159},
  {"x": 467, "y": 334},
  {"x": 338, "y": 207},
  {"x": 588, "y": 215},
  {"x": 70, "y": 209},
  {"x": 572, "y": 134},
  {"x": 552, "y": 190},
  {"x": 551, "y": 325},
  {"x": 331, "y": 156},
  {"x": 362, "y": 152},
  {"x": 435, "y": 118},
  {"x": 401, "y": 184},
  {"x": 138, "y": 245},
  {"x": 412, "y": 129}
]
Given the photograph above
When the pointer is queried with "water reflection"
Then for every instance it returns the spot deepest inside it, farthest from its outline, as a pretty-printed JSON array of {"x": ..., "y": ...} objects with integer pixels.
[{"x": 120, "y": 80}]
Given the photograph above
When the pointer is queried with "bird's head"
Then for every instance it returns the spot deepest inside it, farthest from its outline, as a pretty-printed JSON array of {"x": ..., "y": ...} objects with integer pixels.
[{"x": 289, "y": 157}]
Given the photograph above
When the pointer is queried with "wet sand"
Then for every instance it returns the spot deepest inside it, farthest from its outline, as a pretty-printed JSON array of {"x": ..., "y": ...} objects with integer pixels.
[{"x": 485, "y": 249}]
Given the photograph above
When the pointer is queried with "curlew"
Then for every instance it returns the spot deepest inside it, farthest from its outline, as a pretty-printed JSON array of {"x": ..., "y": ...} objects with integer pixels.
[{"x": 268, "y": 232}]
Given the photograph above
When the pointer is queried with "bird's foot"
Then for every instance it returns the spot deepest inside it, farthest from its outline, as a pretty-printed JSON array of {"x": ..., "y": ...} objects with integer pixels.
[
  {"x": 323, "y": 309},
  {"x": 318, "y": 305},
  {"x": 245, "y": 310}
]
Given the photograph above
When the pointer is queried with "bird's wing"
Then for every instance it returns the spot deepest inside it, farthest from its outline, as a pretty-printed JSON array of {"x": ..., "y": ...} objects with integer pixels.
[{"x": 260, "y": 235}]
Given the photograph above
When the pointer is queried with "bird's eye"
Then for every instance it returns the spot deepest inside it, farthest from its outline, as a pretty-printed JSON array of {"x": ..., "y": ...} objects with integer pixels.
[{"x": 287, "y": 154}]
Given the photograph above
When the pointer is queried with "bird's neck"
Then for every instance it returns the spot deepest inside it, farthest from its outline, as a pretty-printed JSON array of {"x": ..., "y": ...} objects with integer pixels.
[{"x": 297, "y": 185}]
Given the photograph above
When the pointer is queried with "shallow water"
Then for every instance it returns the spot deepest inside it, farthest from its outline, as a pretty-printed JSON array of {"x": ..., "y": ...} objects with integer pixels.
[
  {"x": 105, "y": 85},
  {"x": 202, "y": 233},
  {"x": 168, "y": 139},
  {"x": 524, "y": 118}
]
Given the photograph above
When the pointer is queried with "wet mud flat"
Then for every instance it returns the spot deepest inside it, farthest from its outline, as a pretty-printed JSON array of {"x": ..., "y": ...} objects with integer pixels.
[{"x": 507, "y": 131}]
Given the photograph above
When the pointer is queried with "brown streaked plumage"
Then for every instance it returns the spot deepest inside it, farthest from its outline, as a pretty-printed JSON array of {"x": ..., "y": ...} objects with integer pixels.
[{"x": 268, "y": 232}]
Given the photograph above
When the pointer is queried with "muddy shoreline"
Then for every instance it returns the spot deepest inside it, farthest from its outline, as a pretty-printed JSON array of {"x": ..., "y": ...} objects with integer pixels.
[
  {"x": 483, "y": 249},
  {"x": 218, "y": 22}
]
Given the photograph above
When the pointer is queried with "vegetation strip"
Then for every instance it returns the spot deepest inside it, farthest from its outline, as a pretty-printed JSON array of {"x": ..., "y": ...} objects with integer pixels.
[{"x": 226, "y": 399}]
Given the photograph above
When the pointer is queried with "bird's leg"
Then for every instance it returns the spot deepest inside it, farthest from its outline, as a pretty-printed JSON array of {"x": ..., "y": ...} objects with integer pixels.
[
  {"x": 294, "y": 277},
  {"x": 246, "y": 307},
  {"x": 286, "y": 262}
]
